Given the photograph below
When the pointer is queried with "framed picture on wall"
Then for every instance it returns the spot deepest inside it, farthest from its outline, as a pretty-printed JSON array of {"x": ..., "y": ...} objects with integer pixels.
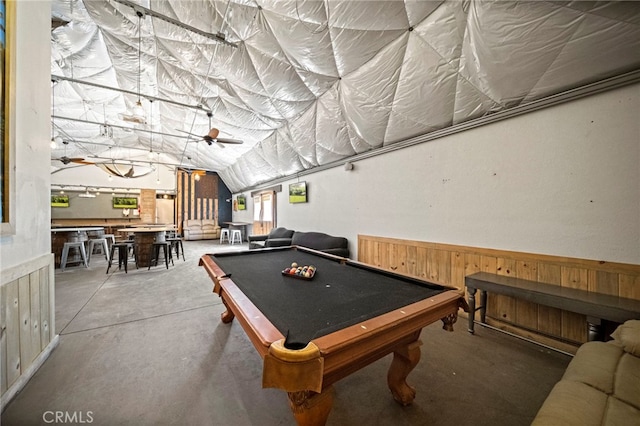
[
  {"x": 242, "y": 202},
  {"x": 59, "y": 201},
  {"x": 298, "y": 192},
  {"x": 125, "y": 203}
]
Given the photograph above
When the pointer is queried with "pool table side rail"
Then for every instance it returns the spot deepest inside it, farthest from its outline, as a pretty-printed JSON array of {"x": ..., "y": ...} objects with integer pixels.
[{"x": 346, "y": 351}]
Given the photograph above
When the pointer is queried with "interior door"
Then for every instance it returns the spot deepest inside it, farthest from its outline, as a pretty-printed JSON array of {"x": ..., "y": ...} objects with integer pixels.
[{"x": 263, "y": 213}]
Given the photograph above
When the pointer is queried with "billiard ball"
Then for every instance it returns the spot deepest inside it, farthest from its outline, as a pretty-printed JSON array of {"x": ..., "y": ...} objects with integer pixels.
[{"x": 294, "y": 265}]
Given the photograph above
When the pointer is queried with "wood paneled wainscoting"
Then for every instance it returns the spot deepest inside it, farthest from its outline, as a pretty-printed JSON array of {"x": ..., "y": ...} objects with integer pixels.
[
  {"x": 448, "y": 265},
  {"x": 27, "y": 319}
]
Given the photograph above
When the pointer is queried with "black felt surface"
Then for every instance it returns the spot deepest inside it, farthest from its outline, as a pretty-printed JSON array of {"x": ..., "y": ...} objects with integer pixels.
[{"x": 338, "y": 296}]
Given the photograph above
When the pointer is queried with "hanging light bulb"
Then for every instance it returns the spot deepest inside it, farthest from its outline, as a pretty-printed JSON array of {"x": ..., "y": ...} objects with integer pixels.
[
  {"x": 138, "y": 111},
  {"x": 197, "y": 177}
]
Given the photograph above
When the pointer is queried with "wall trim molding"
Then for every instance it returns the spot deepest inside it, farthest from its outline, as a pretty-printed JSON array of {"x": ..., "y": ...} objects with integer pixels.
[{"x": 12, "y": 273}]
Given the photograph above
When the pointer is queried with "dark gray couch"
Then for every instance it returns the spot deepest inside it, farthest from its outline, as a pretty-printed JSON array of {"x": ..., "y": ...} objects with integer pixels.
[
  {"x": 279, "y": 237},
  {"x": 321, "y": 242}
]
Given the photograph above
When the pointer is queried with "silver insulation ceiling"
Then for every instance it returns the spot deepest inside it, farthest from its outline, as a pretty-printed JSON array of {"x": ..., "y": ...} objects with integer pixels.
[{"x": 308, "y": 83}]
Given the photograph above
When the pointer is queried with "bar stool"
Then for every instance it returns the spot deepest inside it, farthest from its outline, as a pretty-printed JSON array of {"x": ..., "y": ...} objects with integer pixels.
[
  {"x": 166, "y": 250},
  {"x": 79, "y": 245},
  {"x": 176, "y": 242},
  {"x": 111, "y": 239},
  {"x": 123, "y": 255},
  {"x": 102, "y": 244},
  {"x": 236, "y": 233},
  {"x": 224, "y": 233}
]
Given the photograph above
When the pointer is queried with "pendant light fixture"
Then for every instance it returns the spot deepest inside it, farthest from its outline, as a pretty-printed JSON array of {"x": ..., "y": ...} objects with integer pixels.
[{"x": 137, "y": 112}]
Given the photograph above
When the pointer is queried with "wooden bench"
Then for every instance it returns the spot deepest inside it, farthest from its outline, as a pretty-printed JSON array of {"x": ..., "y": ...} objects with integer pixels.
[{"x": 596, "y": 306}]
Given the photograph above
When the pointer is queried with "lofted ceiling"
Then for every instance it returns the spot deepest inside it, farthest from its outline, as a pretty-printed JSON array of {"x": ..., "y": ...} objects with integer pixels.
[{"x": 309, "y": 83}]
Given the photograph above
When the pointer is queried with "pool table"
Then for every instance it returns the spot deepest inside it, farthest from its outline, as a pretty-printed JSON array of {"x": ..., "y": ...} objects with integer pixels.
[{"x": 312, "y": 332}]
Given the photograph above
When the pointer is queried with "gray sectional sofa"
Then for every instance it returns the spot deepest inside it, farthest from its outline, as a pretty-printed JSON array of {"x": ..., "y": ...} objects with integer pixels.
[{"x": 279, "y": 237}]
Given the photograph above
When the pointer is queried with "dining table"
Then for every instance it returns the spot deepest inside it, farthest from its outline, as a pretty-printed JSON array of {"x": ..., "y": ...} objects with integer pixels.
[{"x": 144, "y": 237}]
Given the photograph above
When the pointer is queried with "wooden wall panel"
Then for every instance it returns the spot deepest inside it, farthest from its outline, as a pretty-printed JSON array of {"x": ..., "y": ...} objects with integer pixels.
[
  {"x": 629, "y": 286},
  {"x": 506, "y": 306},
  {"x": 34, "y": 323},
  {"x": 179, "y": 199},
  {"x": 11, "y": 333},
  {"x": 526, "y": 312},
  {"x": 24, "y": 296},
  {"x": 449, "y": 264},
  {"x": 45, "y": 309},
  {"x": 25, "y": 317},
  {"x": 196, "y": 199}
]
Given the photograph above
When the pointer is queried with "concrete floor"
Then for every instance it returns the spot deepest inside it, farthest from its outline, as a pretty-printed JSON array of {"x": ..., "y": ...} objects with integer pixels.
[{"x": 148, "y": 348}]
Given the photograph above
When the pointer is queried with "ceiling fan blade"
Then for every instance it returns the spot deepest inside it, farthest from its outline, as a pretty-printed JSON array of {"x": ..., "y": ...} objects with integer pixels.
[
  {"x": 80, "y": 161},
  {"x": 230, "y": 141}
]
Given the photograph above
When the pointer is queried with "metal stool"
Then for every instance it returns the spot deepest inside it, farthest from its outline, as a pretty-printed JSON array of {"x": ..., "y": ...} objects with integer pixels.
[
  {"x": 102, "y": 243},
  {"x": 224, "y": 233},
  {"x": 123, "y": 255},
  {"x": 236, "y": 233},
  {"x": 111, "y": 239},
  {"x": 177, "y": 244},
  {"x": 65, "y": 253},
  {"x": 166, "y": 249}
]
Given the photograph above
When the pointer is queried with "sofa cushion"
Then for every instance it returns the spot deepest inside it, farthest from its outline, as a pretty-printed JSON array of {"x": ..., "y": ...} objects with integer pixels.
[
  {"x": 280, "y": 233},
  {"x": 619, "y": 413},
  {"x": 278, "y": 237},
  {"x": 627, "y": 381},
  {"x": 208, "y": 224},
  {"x": 192, "y": 223},
  {"x": 572, "y": 404},
  {"x": 595, "y": 364},
  {"x": 628, "y": 335}
]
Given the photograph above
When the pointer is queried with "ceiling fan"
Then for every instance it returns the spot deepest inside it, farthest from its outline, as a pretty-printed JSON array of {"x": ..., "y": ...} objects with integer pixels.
[
  {"x": 66, "y": 160},
  {"x": 212, "y": 137}
]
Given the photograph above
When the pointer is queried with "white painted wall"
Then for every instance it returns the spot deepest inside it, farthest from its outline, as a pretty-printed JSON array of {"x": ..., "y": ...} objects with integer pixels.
[
  {"x": 32, "y": 135},
  {"x": 561, "y": 181}
]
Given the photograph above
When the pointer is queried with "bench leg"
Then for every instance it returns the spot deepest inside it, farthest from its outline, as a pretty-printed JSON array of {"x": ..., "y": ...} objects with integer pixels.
[
  {"x": 472, "y": 307},
  {"x": 483, "y": 306},
  {"x": 594, "y": 330}
]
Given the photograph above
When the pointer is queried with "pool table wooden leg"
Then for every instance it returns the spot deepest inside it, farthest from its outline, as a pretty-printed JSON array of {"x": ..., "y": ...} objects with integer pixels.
[
  {"x": 227, "y": 316},
  {"x": 404, "y": 361},
  {"x": 311, "y": 408}
]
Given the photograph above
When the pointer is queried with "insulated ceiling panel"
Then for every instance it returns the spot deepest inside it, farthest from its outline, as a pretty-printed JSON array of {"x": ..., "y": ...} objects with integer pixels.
[{"x": 308, "y": 83}]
